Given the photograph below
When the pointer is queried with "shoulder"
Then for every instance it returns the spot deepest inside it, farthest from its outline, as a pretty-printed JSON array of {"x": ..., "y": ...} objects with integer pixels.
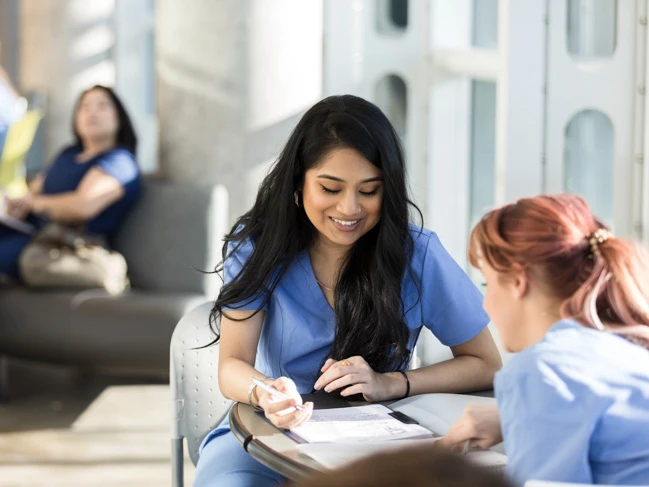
[
  {"x": 548, "y": 358},
  {"x": 238, "y": 254},
  {"x": 240, "y": 249},
  {"x": 424, "y": 241},
  {"x": 428, "y": 253},
  {"x": 574, "y": 359},
  {"x": 119, "y": 163},
  {"x": 118, "y": 155}
]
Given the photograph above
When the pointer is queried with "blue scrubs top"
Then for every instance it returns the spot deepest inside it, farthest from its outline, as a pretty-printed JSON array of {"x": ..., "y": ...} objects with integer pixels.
[
  {"x": 65, "y": 174},
  {"x": 299, "y": 324},
  {"x": 574, "y": 407}
]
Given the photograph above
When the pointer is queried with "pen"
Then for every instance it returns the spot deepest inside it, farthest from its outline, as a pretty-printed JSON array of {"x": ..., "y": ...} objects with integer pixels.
[{"x": 273, "y": 391}]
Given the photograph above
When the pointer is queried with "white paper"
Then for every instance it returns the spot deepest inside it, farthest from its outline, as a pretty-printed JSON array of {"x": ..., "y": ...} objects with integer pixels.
[
  {"x": 342, "y": 453},
  {"x": 361, "y": 423},
  {"x": 336, "y": 455},
  {"x": 16, "y": 224}
]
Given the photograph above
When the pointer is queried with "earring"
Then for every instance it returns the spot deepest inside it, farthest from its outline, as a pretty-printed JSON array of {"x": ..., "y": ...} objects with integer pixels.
[{"x": 297, "y": 199}]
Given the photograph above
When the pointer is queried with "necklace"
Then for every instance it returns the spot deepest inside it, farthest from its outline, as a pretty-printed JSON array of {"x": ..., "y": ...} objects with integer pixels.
[{"x": 322, "y": 285}]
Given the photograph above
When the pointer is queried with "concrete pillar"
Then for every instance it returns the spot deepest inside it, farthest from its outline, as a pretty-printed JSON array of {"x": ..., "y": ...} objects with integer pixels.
[
  {"x": 9, "y": 38},
  {"x": 66, "y": 47},
  {"x": 233, "y": 78}
]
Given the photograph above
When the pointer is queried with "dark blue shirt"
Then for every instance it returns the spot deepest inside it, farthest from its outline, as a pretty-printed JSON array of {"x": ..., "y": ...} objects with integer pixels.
[{"x": 65, "y": 175}]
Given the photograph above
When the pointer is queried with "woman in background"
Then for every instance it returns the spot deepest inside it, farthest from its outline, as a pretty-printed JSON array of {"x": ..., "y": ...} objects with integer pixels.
[
  {"x": 92, "y": 183},
  {"x": 573, "y": 300}
]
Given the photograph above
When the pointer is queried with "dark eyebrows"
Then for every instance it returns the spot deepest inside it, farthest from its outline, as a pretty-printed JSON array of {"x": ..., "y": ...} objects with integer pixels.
[{"x": 333, "y": 178}]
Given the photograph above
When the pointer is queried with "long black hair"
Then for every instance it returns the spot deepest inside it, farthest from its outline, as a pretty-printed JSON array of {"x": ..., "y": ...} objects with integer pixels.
[
  {"x": 370, "y": 315},
  {"x": 125, "y": 137}
]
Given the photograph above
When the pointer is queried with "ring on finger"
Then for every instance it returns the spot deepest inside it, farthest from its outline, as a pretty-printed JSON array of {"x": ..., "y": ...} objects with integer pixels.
[{"x": 346, "y": 363}]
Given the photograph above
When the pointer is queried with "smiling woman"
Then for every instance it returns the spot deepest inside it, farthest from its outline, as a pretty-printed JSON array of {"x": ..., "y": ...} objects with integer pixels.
[
  {"x": 342, "y": 198},
  {"x": 327, "y": 285}
]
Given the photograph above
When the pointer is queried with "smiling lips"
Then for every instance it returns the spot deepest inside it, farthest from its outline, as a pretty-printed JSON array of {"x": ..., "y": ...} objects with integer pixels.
[{"x": 345, "y": 225}]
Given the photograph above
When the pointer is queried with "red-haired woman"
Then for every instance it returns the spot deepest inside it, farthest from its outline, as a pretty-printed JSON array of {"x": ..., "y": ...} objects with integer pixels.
[{"x": 573, "y": 300}]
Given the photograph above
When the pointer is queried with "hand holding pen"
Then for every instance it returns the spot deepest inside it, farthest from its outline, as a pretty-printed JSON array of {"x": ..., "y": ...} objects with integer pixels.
[{"x": 282, "y": 403}]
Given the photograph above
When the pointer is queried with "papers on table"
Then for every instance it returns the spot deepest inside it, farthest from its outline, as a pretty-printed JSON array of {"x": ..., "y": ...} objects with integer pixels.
[
  {"x": 361, "y": 423},
  {"x": 347, "y": 452},
  {"x": 350, "y": 451},
  {"x": 16, "y": 224},
  {"x": 359, "y": 432}
]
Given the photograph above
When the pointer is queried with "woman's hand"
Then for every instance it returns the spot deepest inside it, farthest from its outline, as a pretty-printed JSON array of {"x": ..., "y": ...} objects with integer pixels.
[
  {"x": 356, "y": 376},
  {"x": 20, "y": 207},
  {"x": 478, "y": 428},
  {"x": 282, "y": 412}
]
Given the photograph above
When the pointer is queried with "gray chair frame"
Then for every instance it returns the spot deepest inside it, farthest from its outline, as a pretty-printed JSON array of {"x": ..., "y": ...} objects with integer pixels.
[{"x": 197, "y": 404}]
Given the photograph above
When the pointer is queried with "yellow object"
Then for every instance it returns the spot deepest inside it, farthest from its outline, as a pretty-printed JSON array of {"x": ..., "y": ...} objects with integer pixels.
[{"x": 20, "y": 137}]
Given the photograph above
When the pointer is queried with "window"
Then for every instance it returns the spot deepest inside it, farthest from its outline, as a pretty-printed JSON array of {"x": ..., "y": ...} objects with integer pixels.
[
  {"x": 588, "y": 160},
  {"x": 591, "y": 29},
  {"x": 483, "y": 149},
  {"x": 392, "y": 16},
  {"x": 391, "y": 97},
  {"x": 135, "y": 73},
  {"x": 485, "y": 24}
]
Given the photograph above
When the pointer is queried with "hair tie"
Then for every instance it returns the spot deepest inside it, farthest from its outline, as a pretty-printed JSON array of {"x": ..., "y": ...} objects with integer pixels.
[{"x": 597, "y": 238}]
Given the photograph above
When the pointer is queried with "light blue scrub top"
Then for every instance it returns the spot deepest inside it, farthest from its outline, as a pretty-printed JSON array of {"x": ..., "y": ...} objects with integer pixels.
[
  {"x": 299, "y": 326},
  {"x": 8, "y": 102},
  {"x": 574, "y": 407}
]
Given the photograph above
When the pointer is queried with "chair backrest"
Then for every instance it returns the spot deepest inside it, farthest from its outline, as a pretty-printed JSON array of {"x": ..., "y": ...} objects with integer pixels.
[
  {"x": 17, "y": 144},
  {"x": 174, "y": 232},
  {"x": 197, "y": 403}
]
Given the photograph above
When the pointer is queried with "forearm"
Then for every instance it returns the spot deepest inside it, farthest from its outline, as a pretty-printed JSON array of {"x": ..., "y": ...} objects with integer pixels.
[
  {"x": 64, "y": 207},
  {"x": 465, "y": 373},
  {"x": 235, "y": 378}
]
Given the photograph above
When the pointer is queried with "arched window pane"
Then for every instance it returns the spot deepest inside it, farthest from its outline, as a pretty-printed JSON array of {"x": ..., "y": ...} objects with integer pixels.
[
  {"x": 392, "y": 16},
  {"x": 588, "y": 159},
  {"x": 591, "y": 28},
  {"x": 392, "y": 98},
  {"x": 483, "y": 149},
  {"x": 485, "y": 24}
]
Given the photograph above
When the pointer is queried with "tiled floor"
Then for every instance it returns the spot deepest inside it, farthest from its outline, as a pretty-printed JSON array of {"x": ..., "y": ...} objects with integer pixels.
[{"x": 59, "y": 429}]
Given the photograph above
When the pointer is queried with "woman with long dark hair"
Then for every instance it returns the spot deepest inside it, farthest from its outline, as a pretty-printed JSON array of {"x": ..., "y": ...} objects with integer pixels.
[
  {"x": 573, "y": 301},
  {"x": 93, "y": 183},
  {"x": 327, "y": 285}
]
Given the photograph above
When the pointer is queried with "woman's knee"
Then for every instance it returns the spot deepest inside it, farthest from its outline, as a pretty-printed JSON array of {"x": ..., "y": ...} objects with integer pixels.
[
  {"x": 224, "y": 463},
  {"x": 11, "y": 245}
]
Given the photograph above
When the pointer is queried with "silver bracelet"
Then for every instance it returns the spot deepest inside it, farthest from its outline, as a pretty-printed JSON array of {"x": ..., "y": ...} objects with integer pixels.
[{"x": 250, "y": 389}]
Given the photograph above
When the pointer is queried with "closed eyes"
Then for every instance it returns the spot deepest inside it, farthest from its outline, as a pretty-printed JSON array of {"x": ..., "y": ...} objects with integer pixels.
[{"x": 336, "y": 191}]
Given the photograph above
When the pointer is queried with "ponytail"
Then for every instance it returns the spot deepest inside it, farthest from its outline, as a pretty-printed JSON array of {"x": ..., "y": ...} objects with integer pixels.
[
  {"x": 603, "y": 281},
  {"x": 615, "y": 297}
]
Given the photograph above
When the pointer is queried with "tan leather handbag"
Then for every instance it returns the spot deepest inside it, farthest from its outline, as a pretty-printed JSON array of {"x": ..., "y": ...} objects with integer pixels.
[{"x": 63, "y": 257}]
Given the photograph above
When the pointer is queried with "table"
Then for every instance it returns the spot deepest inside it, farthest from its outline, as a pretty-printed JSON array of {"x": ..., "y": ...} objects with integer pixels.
[{"x": 270, "y": 446}]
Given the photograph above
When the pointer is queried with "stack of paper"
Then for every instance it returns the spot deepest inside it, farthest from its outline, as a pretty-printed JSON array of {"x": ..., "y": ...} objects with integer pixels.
[
  {"x": 362, "y": 423},
  {"x": 366, "y": 430},
  {"x": 348, "y": 452}
]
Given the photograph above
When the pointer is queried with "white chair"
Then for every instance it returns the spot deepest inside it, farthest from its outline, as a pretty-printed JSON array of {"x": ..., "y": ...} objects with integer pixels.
[{"x": 197, "y": 404}]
